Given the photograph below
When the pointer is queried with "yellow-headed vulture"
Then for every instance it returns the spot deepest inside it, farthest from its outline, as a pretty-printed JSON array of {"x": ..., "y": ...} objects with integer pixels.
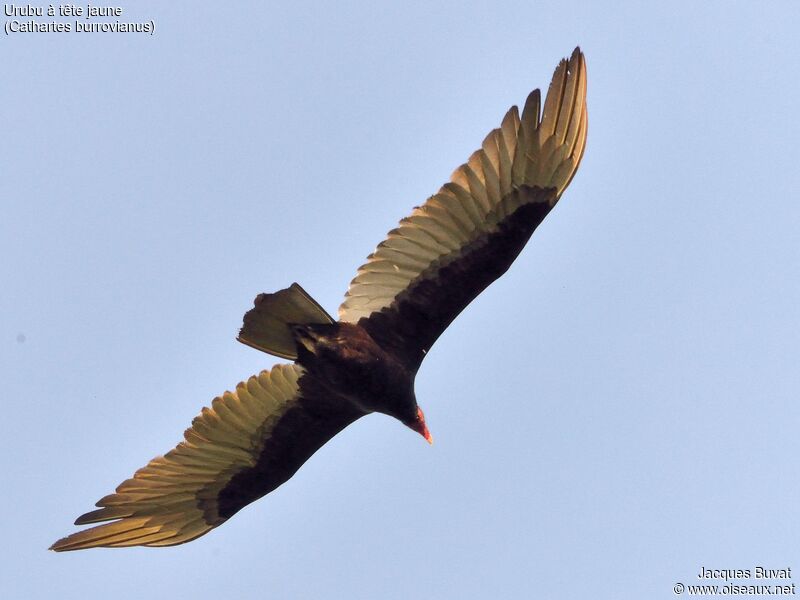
[{"x": 417, "y": 281}]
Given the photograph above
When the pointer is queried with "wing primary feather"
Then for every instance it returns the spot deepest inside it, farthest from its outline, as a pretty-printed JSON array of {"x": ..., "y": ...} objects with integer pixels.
[
  {"x": 552, "y": 103},
  {"x": 568, "y": 100}
]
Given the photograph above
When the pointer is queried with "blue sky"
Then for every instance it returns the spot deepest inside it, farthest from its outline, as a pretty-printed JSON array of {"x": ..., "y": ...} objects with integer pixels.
[{"x": 616, "y": 412}]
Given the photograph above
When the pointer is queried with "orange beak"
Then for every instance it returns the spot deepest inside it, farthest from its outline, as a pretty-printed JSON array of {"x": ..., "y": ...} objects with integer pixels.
[{"x": 421, "y": 427}]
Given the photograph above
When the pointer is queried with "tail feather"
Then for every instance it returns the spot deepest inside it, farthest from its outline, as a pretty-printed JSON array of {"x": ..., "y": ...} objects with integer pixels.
[{"x": 267, "y": 326}]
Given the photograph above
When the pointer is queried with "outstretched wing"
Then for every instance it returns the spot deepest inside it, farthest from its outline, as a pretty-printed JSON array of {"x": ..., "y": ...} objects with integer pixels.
[
  {"x": 247, "y": 444},
  {"x": 464, "y": 237}
]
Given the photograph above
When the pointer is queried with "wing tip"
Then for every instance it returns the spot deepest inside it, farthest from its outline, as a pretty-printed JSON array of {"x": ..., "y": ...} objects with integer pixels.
[{"x": 553, "y": 154}]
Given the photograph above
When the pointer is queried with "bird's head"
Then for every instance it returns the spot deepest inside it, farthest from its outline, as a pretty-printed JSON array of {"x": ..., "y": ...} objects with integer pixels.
[{"x": 418, "y": 424}]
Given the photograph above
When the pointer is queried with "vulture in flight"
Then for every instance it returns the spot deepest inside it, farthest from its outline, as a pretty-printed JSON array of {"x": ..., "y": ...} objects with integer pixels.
[{"x": 426, "y": 271}]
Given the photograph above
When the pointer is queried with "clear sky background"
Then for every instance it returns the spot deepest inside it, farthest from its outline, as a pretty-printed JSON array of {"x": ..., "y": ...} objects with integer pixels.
[{"x": 618, "y": 411}]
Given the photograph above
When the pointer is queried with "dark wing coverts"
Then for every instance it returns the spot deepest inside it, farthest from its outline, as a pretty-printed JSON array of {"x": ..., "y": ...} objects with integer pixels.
[
  {"x": 248, "y": 443},
  {"x": 468, "y": 234}
]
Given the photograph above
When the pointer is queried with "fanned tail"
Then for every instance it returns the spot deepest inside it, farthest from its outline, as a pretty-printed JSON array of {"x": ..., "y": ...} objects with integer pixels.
[{"x": 267, "y": 326}]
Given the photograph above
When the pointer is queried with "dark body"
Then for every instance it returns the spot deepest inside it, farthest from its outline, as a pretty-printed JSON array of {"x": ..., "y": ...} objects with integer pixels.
[
  {"x": 356, "y": 369},
  {"x": 347, "y": 377}
]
